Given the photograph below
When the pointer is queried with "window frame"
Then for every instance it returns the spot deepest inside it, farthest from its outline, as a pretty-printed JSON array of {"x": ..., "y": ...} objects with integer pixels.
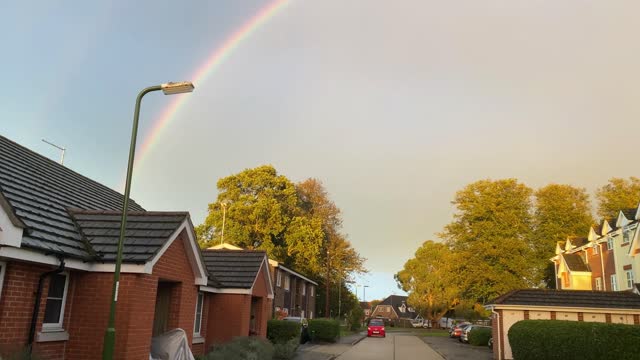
[
  {"x": 278, "y": 278},
  {"x": 630, "y": 279},
  {"x": 287, "y": 282},
  {"x": 198, "y": 297},
  {"x": 58, "y": 325},
  {"x": 3, "y": 269},
  {"x": 626, "y": 236},
  {"x": 598, "y": 283},
  {"x": 596, "y": 249},
  {"x": 610, "y": 243},
  {"x": 311, "y": 290},
  {"x": 304, "y": 289},
  {"x": 614, "y": 283}
]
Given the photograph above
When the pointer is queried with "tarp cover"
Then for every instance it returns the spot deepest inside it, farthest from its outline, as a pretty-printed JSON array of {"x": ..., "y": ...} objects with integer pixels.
[{"x": 172, "y": 345}]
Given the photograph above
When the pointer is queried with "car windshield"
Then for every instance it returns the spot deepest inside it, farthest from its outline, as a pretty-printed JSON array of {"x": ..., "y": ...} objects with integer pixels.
[{"x": 376, "y": 322}]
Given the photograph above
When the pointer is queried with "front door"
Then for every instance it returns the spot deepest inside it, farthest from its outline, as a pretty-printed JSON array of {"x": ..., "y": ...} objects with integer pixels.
[{"x": 163, "y": 301}]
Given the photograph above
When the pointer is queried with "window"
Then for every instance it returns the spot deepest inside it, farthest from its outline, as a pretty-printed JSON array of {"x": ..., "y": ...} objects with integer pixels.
[
  {"x": 610, "y": 243},
  {"x": 311, "y": 314},
  {"x": 630, "y": 279},
  {"x": 598, "y": 283},
  {"x": 287, "y": 281},
  {"x": 3, "y": 267},
  {"x": 279, "y": 278},
  {"x": 302, "y": 314},
  {"x": 56, "y": 297},
  {"x": 198, "y": 323},
  {"x": 311, "y": 290},
  {"x": 614, "y": 283},
  {"x": 626, "y": 236},
  {"x": 304, "y": 290},
  {"x": 596, "y": 249}
]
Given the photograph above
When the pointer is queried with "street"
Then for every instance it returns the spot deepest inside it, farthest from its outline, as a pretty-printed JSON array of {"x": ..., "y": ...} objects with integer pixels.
[{"x": 393, "y": 347}]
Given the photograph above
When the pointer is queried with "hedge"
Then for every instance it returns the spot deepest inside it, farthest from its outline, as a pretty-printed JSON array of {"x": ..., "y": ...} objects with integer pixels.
[
  {"x": 324, "y": 330},
  {"x": 281, "y": 331},
  {"x": 479, "y": 336},
  {"x": 285, "y": 351},
  {"x": 567, "y": 340},
  {"x": 242, "y": 348}
]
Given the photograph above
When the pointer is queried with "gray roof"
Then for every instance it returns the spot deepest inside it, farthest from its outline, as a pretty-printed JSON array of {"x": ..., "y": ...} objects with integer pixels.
[
  {"x": 570, "y": 298},
  {"x": 578, "y": 241},
  {"x": 630, "y": 214},
  {"x": 39, "y": 191},
  {"x": 235, "y": 269},
  {"x": 575, "y": 262},
  {"x": 396, "y": 301},
  {"x": 146, "y": 232}
]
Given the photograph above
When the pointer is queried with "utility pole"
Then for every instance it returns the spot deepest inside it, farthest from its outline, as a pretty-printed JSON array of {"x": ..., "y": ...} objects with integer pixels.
[
  {"x": 224, "y": 218},
  {"x": 326, "y": 294},
  {"x": 59, "y": 148}
]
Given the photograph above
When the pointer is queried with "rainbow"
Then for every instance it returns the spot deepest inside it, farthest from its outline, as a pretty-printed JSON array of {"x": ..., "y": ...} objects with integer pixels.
[{"x": 217, "y": 57}]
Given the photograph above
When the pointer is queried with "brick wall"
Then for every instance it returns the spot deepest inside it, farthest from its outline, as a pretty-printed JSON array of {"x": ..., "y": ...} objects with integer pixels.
[
  {"x": 228, "y": 318},
  {"x": 16, "y": 307}
]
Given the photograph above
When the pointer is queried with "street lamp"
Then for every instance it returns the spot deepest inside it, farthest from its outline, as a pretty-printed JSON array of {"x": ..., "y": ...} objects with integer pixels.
[{"x": 170, "y": 88}]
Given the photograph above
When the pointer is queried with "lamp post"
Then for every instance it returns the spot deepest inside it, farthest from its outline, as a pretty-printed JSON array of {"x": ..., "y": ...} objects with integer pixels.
[
  {"x": 364, "y": 292},
  {"x": 224, "y": 218},
  {"x": 169, "y": 89}
]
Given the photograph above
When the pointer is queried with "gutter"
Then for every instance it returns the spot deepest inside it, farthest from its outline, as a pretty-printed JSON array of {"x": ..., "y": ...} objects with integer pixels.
[
  {"x": 499, "y": 335},
  {"x": 36, "y": 306}
]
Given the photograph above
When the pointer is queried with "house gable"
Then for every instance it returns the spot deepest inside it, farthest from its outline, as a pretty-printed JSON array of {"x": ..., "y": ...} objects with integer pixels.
[{"x": 11, "y": 227}]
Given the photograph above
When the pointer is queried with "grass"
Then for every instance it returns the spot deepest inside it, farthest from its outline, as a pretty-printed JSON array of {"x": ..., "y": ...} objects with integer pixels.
[{"x": 344, "y": 331}]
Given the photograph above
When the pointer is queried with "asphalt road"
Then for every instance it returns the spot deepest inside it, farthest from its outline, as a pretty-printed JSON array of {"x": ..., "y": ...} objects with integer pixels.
[
  {"x": 452, "y": 349},
  {"x": 393, "y": 347}
]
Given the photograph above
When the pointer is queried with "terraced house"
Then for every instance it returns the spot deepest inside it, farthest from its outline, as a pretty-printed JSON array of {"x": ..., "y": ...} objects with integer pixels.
[
  {"x": 606, "y": 260},
  {"x": 58, "y": 239}
]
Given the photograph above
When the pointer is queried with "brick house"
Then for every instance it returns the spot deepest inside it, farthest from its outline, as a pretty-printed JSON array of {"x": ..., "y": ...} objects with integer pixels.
[
  {"x": 394, "y": 308},
  {"x": 242, "y": 276},
  {"x": 606, "y": 260},
  {"x": 294, "y": 294},
  {"x": 620, "y": 307},
  {"x": 58, "y": 242}
]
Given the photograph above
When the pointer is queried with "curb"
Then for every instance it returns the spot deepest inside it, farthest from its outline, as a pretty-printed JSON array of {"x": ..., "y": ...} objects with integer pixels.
[{"x": 357, "y": 340}]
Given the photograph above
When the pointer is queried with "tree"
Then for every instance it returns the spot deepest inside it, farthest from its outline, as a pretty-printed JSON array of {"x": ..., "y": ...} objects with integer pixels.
[
  {"x": 491, "y": 238},
  {"x": 618, "y": 194},
  {"x": 262, "y": 212},
  {"x": 561, "y": 211},
  {"x": 431, "y": 280}
]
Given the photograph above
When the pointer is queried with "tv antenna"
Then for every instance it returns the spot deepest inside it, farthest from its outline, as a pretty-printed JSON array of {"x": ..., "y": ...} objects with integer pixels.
[{"x": 59, "y": 148}]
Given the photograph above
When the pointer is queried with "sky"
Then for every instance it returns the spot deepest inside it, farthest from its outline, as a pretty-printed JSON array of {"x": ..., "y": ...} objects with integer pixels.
[{"x": 394, "y": 106}]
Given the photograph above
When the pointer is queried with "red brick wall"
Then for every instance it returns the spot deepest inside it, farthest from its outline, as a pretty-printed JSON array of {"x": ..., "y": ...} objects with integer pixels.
[
  {"x": 16, "y": 307},
  {"x": 228, "y": 318}
]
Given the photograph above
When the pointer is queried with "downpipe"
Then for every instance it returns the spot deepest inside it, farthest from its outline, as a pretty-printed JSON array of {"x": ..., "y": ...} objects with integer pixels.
[
  {"x": 499, "y": 335},
  {"x": 36, "y": 306}
]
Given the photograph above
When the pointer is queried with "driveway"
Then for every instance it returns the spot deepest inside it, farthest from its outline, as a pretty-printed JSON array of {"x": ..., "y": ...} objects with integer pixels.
[
  {"x": 393, "y": 347},
  {"x": 452, "y": 349}
]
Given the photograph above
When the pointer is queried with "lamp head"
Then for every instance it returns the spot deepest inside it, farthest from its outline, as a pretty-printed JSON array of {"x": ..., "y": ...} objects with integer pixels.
[{"x": 172, "y": 88}]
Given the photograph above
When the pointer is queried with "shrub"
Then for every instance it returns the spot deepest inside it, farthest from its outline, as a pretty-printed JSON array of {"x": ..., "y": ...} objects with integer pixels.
[
  {"x": 567, "y": 340},
  {"x": 355, "y": 318},
  {"x": 479, "y": 336},
  {"x": 285, "y": 351},
  {"x": 242, "y": 348},
  {"x": 324, "y": 330},
  {"x": 281, "y": 331}
]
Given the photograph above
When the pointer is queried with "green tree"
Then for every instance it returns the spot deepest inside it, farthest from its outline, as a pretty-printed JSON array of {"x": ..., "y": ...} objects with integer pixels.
[
  {"x": 491, "y": 238},
  {"x": 431, "y": 280},
  {"x": 618, "y": 194},
  {"x": 561, "y": 211}
]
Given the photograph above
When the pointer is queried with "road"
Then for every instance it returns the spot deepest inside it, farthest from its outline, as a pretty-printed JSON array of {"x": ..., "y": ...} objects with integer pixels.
[{"x": 393, "y": 347}]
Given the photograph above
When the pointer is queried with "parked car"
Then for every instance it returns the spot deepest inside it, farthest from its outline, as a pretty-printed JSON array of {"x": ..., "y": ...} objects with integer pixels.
[
  {"x": 376, "y": 328},
  {"x": 456, "y": 331},
  {"x": 464, "y": 336},
  {"x": 304, "y": 331}
]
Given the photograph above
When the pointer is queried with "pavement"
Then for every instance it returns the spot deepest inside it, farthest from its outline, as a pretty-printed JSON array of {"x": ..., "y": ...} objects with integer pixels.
[
  {"x": 358, "y": 347},
  {"x": 452, "y": 349}
]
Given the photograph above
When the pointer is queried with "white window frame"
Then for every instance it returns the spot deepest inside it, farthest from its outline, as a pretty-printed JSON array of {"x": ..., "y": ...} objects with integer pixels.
[
  {"x": 626, "y": 236},
  {"x": 302, "y": 314},
  {"x": 630, "y": 280},
  {"x": 610, "y": 243},
  {"x": 197, "y": 332},
  {"x": 310, "y": 314},
  {"x": 287, "y": 282},
  {"x": 279, "y": 278},
  {"x": 311, "y": 290},
  {"x": 614, "y": 283},
  {"x": 3, "y": 269},
  {"x": 58, "y": 325},
  {"x": 304, "y": 290},
  {"x": 598, "y": 283},
  {"x": 596, "y": 249}
]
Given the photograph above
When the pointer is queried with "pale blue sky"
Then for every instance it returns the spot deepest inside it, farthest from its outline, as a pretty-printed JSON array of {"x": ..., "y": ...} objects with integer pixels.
[{"x": 393, "y": 105}]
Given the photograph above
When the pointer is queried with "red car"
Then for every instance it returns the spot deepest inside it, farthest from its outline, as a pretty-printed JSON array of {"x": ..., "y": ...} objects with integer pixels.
[{"x": 376, "y": 328}]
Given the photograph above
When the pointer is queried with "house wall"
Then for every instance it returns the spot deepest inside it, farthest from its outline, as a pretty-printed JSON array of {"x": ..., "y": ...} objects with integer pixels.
[
  {"x": 228, "y": 317},
  {"x": 595, "y": 264},
  {"x": 385, "y": 311},
  {"x": 580, "y": 282},
  {"x": 292, "y": 299},
  {"x": 16, "y": 307},
  {"x": 508, "y": 317}
]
